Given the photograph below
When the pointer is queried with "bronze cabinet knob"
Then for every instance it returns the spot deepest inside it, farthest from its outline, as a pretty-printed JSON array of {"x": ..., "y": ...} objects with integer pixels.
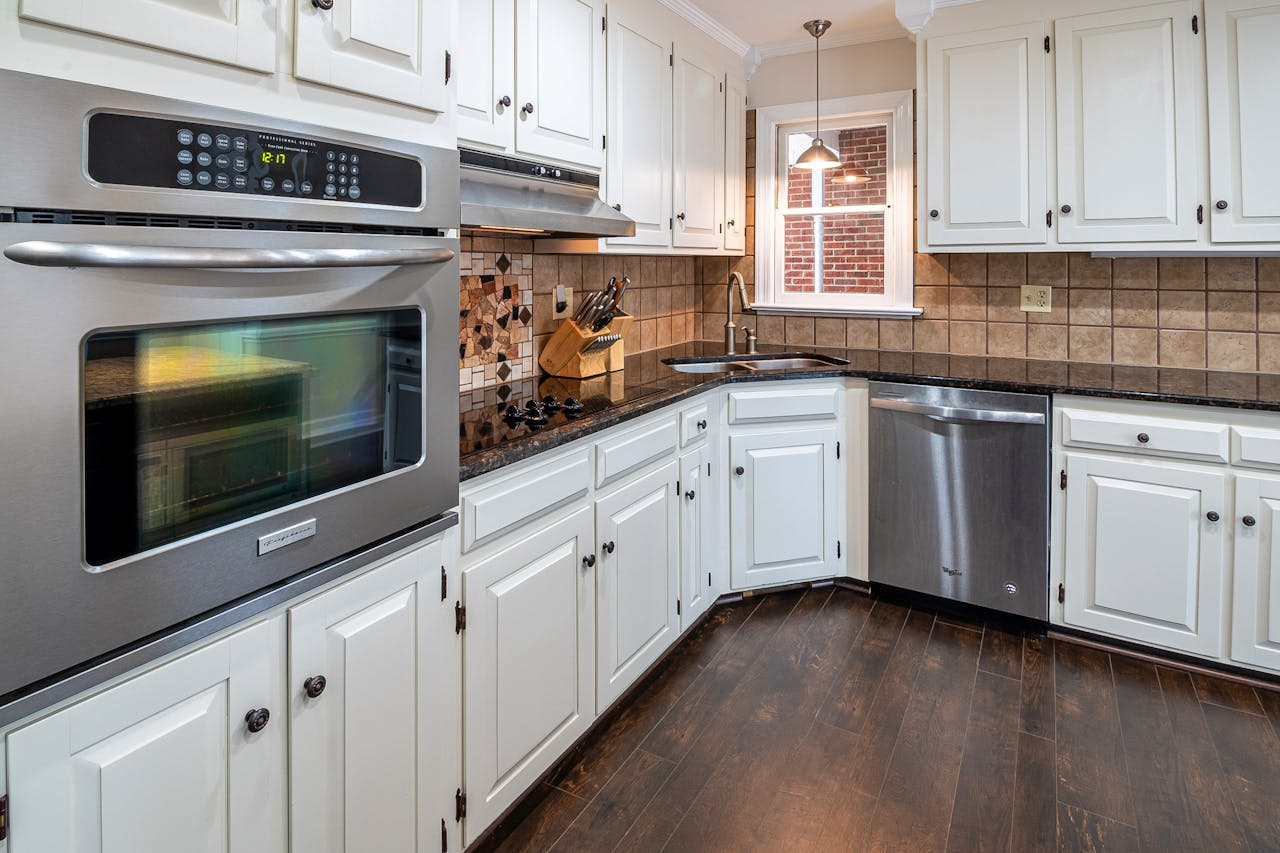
[{"x": 257, "y": 719}]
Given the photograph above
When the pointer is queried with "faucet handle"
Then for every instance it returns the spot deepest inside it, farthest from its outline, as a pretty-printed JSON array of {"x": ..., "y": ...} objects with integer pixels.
[{"x": 751, "y": 341}]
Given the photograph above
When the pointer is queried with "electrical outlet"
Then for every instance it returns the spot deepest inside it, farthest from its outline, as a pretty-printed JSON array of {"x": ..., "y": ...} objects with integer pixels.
[
  {"x": 1037, "y": 298},
  {"x": 562, "y": 296}
]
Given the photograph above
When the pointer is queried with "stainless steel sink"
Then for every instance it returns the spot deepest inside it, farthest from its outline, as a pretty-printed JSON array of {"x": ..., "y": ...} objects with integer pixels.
[
  {"x": 756, "y": 363},
  {"x": 706, "y": 366}
]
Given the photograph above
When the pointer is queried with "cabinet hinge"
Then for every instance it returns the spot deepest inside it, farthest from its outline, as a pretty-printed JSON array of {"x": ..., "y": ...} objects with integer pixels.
[
  {"x": 459, "y": 618},
  {"x": 1048, "y": 219},
  {"x": 837, "y": 450},
  {"x": 4, "y": 817},
  {"x": 1046, "y": 44},
  {"x": 708, "y": 578},
  {"x": 839, "y": 551},
  {"x": 677, "y": 607},
  {"x": 721, "y": 87},
  {"x": 604, "y": 142},
  {"x": 1200, "y": 215},
  {"x": 459, "y": 805},
  {"x": 448, "y": 67},
  {"x": 720, "y": 228},
  {"x": 1195, "y": 24},
  {"x": 1062, "y": 480},
  {"x": 708, "y": 469},
  {"x": 444, "y": 584},
  {"x": 671, "y": 60},
  {"x": 444, "y": 837},
  {"x": 1062, "y": 593},
  {"x": 671, "y": 224}
]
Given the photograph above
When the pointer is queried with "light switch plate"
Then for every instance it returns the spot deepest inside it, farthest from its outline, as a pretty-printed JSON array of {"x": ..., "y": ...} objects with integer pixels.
[
  {"x": 1037, "y": 298},
  {"x": 568, "y": 302}
]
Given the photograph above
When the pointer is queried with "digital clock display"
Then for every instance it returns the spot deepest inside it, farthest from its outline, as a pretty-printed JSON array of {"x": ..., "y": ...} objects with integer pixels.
[{"x": 273, "y": 158}]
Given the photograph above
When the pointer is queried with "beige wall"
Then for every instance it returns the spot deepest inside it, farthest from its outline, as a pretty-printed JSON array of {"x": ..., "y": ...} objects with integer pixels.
[{"x": 858, "y": 69}]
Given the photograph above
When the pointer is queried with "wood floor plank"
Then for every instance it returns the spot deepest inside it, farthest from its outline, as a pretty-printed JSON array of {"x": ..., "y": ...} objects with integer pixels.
[
  {"x": 1228, "y": 694},
  {"x": 1092, "y": 774},
  {"x": 540, "y": 829},
  {"x": 1001, "y": 653},
  {"x": 1081, "y": 831},
  {"x": 1038, "y": 701},
  {"x": 1250, "y": 757},
  {"x": 1035, "y": 797},
  {"x": 855, "y": 688},
  {"x": 982, "y": 817},
  {"x": 915, "y": 805},
  {"x": 1271, "y": 704},
  {"x": 602, "y": 823},
  {"x": 1173, "y": 787}
]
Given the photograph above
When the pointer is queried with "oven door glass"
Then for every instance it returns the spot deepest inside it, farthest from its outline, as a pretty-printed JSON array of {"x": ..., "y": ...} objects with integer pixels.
[{"x": 191, "y": 428}]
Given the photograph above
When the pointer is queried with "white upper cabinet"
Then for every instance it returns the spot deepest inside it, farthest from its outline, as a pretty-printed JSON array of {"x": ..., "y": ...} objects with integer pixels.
[
  {"x": 1128, "y": 125},
  {"x": 1243, "y": 44},
  {"x": 638, "y": 172},
  {"x": 1255, "y": 616},
  {"x": 485, "y": 70},
  {"x": 390, "y": 49},
  {"x": 234, "y": 32},
  {"x": 987, "y": 178},
  {"x": 560, "y": 53},
  {"x": 735, "y": 164},
  {"x": 699, "y": 151}
]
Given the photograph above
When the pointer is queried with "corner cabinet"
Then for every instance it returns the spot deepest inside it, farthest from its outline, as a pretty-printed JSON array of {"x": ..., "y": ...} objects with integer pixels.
[
  {"x": 697, "y": 535},
  {"x": 699, "y": 152},
  {"x": 735, "y": 164},
  {"x": 1255, "y": 633}
]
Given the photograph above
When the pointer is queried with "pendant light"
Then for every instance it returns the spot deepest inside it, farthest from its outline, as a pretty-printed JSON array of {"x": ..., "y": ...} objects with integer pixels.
[{"x": 818, "y": 156}]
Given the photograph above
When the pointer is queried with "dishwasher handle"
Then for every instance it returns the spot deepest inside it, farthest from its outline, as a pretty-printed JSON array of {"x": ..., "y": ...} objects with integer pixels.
[{"x": 955, "y": 413}]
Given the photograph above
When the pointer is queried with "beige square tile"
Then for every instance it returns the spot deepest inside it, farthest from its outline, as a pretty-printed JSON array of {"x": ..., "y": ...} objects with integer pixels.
[
  {"x": 592, "y": 270},
  {"x": 829, "y": 332},
  {"x": 649, "y": 272},
  {"x": 1134, "y": 308},
  {"x": 1135, "y": 346},
  {"x": 664, "y": 331},
  {"x": 1232, "y": 311},
  {"x": 1003, "y": 305},
  {"x": 895, "y": 335},
  {"x": 1088, "y": 271},
  {"x": 1006, "y": 270},
  {"x": 1007, "y": 340},
  {"x": 1269, "y": 274},
  {"x": 1134, "y": 273},
  {"x": 570, "y": 267},
  {"x": 744, "y": 266},
  {"x": 934, "y": 300},
  {"x": 968, "y": 303},
  {"x": 1182, "y": 310},
  {"x": 648, "y": 334},
  {"x": 1232, "y": 351},
  {"x": 1182, "y": 274},
  {"x": 1269, "y": 311},
  {"x": 1232, "y": 273},
  {"x": 1047, "y": 268},
  {"x": 546, "y": 275},
  {"x": 1060, "y": 305},
  {"x": 1182, "y": 348},
  {"x": 1089, "y": 307},
  {"x": 862, "y": 333},
  {"x": 932, "y": 269},
  {"x": 1269, "y": 353},
  {"x": 800, "y": 331},
  {"x": 1047, "y": 342},
  {"x": 771, "y": 329},
  {"x": 969, "y": 270},
  {"x": 968, "y": 338},
  {"x": 930, "y": 336},
  {"x": 1090, "y": 343}
]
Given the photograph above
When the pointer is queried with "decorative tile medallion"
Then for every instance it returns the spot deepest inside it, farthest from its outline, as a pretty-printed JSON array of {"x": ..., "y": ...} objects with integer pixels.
[{"x": 491, "y": 329}]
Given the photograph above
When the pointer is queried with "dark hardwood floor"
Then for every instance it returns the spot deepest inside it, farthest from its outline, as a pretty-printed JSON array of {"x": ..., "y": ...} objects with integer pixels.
[{"x": 829, "y": 720}]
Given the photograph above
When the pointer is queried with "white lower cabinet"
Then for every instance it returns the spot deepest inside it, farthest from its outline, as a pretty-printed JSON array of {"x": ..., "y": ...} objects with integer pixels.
[
  {"x": 1146, "y": 550},
  {"x": 163, "y": 762},
  {"x": 529, "y": 662},
  {"x": 1255, "y": 625},
  {"x": 697, "y": 535},
  {"x": 637, "y": 536}
]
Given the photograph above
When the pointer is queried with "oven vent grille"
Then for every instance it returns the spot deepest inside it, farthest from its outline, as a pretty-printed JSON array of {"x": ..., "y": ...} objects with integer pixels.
[{"x": 220, "y": 223}]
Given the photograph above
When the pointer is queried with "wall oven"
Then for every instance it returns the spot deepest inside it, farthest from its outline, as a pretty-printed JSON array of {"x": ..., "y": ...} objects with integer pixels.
[{"x": 229, "y": 359}]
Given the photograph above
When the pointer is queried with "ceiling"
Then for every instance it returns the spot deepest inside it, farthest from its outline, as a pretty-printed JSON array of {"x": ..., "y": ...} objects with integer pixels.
[{"x": 777, "y": 26}]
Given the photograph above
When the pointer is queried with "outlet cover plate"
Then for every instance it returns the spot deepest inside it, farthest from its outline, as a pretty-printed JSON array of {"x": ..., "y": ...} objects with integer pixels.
[
  {"x": 1037, "y": 298},
  {"x": 568, "y": 305}
]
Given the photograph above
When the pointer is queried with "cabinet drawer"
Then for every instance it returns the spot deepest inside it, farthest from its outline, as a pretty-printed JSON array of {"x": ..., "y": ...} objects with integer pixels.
[
  {"x": 694, "y": 424},
  {"x": 776, "y": 404},
  {"x": 631, "y": 450},
  {"x": 1161, "y": 436},
  {"x": 1256, "y": 447},
  {"x": 505, "y": 505}
]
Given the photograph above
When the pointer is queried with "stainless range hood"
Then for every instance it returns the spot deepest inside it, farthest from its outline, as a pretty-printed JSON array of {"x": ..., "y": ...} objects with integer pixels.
[{"x": 520, "y": 196}]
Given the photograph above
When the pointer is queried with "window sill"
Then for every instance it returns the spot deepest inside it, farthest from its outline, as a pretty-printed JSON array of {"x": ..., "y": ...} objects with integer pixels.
[{"x": 887, "y": 313}]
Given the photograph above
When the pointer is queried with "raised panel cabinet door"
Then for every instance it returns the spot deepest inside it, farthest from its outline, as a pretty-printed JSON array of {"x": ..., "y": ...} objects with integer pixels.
[
  {"x": 638, "y": 158},
  {"x": 1241, "y": 38},
  {"x": 699, "y": 152},
  {"x": 784, "y": 507},
  {"x": 389, "y": 49},
  {"x": 484, "y": 67},
  {"x": 1255, "y": 613},
  {"x": 697, "y": 535},
  {"x": 529, "y": 663},
  {"x": 1145, "y": 557},
  {"x": 233, "y": 32},
  {"x": 560, "y": 80},
  {"x": 987, "y": 181},
  {"x": 358, "y": 756},
  {"x": 735, "y": 165},
  {"x": 637, "y": 582},
  {"x": 1128, "y": 125},
  {"x": 162, "y": 762}
]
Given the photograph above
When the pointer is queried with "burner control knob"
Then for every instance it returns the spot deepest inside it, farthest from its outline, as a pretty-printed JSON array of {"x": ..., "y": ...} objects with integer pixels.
[
  {"x": 571, "y": 405},
  {"x": 552, "y": 404},
  {"x": 513, "y": 413}
]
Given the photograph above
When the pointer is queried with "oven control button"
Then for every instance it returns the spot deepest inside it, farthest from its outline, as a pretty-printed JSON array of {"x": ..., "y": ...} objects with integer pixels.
[
  {"x": 354, "y": 192},
  {"x": 342, "y": 190},
  {"x": 204, "y": 158},
  {"x": 355, "y": 158},
  {"x": 305, "y": 187},
  {"x": 204, "y": 140},
  {"x": 329, "y": 179},
  {"x": 355, "y": 170},
  {"x": 329, "y": 155},
  {"x": 268, "y": 184},
  {"x": 240, "y": 163},
  {"x": 342, "y": 167},
  {"x": 184, "y": 177},
  {"x": 286, "y": 186},
  {"x": 330, "y": 191},
  {"x": 355, "y": 181},
  {"x": 240, "y": 143},
  {"x": 203, "y": 178},
  {"x": 240, "y": 182},
  {"x": 221, "y": 180},
  {"x": 223, "y": 142},
  {"x": 185, "y": 137},
  {"x": 343, "y": 156},
  {"x": 184, "y": 157},
  {"x": 342, "y": 179},
  {"x": 223, "y": 161},
  {"x": 329, "y": 167}
]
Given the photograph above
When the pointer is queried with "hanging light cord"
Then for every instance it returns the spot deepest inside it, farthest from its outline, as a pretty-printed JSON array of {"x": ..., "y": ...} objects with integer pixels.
[{"x": 817, "y": 87}]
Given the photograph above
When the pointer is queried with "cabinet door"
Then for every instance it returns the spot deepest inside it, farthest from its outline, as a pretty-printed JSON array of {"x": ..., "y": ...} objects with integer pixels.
[
  {"x": 638, "y": 170},
  {"x": 637, "y": 537},
  {"x": 1143, "y": 560},
  {"x": 234, "y": 32},
  {"x": 697, "y": 535},
  {"x": 359, "y": 756},
  {"x": 699, "y": 152},
  {"x": 987, "y": 177},
  {"x": 735, "y": 165},
  {"x": 485, "y": 70},
  {"x": 1128, "y": 119},
  {"x": 529, "y": 672},
  {"x": 1255, "y": 615},
  {"x": 162, "y": 762},
  {"x": 1244, "y": 118},
  {"x": 390, "y": 49},
  {"x": 560, "y": 80},
  {"x": 784, "y": 507}
]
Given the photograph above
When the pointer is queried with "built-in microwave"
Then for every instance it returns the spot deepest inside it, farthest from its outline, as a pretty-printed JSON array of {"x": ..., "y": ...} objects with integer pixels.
[{"x": 230, "y": 358}]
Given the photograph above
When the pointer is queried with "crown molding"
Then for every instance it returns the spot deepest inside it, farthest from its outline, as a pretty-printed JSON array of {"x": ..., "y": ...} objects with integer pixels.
[
  {"x": 709, "y": 25},
  {"x": 829, "y": 41}
]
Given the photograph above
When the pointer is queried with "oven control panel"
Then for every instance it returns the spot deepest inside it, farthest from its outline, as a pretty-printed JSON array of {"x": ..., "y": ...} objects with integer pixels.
[{"x": 192, "y": 155}]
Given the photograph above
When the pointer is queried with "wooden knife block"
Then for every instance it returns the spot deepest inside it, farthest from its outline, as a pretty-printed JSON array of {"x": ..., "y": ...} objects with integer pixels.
[{"x": 563, "y": 355}]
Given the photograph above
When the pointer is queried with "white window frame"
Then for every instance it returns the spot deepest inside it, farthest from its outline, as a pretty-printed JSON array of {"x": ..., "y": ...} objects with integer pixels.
[{"x": 893, "y": 109}]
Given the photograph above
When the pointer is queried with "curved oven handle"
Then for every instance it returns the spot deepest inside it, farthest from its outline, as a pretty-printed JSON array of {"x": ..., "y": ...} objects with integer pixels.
[
  {"x": 954, "y": 413},
  {"x": 48, "y": 253}
]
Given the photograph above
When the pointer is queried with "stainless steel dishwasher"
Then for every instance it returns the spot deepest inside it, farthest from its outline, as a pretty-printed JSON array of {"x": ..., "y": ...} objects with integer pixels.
[{"x": 960, "y": 495}]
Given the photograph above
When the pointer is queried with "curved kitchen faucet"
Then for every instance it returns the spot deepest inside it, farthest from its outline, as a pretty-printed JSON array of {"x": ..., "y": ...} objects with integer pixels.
[{"x": 730, "y": 330}]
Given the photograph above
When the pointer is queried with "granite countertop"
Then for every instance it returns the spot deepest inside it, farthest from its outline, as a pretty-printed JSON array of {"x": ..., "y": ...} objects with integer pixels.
[{"x": 487, "y": 443}]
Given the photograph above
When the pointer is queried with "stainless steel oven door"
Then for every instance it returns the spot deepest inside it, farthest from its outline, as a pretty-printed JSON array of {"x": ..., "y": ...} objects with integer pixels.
[{"x": 211, "y": 507}]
